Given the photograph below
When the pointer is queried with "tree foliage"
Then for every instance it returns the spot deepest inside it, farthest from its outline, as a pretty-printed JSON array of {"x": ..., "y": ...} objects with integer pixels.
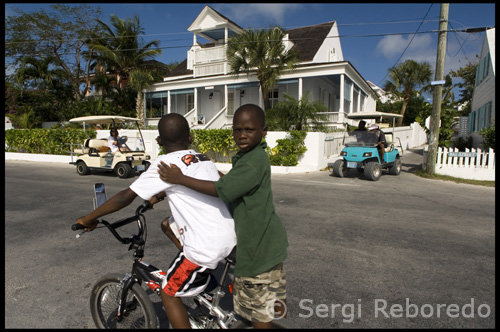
[
  {"x": 60, "y": 34},
  {"x": 263, "y": 51},
  {"x": 405, "y": 80},
  {"x": 447, "y": 116},
  {"x": 488, "y": 135},
  {"x": 58, "y": 55},
  {"x": 293, "y": 114},
  {"x": 468, "y": 76}
]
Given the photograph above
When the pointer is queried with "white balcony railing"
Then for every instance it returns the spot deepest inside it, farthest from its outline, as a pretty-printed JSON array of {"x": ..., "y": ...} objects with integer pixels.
[
  {"x": 207, "y": 55},
  {"x": 210, "y": 69},
  {"x": 209, "y": 61}
]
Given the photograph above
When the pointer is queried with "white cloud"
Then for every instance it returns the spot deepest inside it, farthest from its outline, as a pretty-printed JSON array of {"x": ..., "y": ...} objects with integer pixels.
[{"x": 422, "y": 48}]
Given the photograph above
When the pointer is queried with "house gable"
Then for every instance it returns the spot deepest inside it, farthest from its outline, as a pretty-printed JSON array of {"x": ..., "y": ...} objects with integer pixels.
[
  {"x": 314, "y": 43},
  {"x": 490, "y": 37},
  {"x": 211, "y": 25}
]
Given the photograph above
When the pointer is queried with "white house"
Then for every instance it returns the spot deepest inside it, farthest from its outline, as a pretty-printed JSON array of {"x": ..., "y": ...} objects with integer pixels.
[
  {"x": 483, "y": 99},
  {"x": 202, "y": 90}
]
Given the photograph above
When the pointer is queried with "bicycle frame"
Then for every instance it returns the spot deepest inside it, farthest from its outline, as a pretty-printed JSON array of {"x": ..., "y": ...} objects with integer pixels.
[{"x": 153, "y": 276}]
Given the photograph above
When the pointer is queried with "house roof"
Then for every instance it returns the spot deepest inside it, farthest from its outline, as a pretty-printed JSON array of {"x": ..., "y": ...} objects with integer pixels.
[{"x": 307, "y": 40}]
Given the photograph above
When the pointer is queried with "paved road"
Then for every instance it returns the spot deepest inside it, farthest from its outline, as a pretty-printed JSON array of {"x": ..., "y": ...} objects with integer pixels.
[{"x": 402, "y": 252}]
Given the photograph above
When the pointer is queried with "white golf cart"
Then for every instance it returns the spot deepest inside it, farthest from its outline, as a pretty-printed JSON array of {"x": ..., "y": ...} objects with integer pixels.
[{"x": 95, "y": 155}]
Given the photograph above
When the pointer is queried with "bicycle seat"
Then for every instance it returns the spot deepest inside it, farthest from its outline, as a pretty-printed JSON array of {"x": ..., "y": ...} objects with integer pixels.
[{"x": 231, "y": 258}]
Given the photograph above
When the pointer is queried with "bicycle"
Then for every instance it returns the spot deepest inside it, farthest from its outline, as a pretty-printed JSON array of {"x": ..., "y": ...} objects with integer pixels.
[{"x": 119, "y": 301}]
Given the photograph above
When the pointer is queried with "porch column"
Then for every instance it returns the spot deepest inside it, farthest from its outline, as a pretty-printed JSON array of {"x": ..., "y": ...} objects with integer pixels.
[
  {"x": 195, "y": 106},
  {"x": 169, "y": 102},
  {"x": 225, "y": 97},
  {"x": 226, "y": 37},
  {"x": 300, "y": 88},
  {"x": 359, "y": 101},
  {"x": 341, "y": 99},
  {"x": 351, "y": 97}
]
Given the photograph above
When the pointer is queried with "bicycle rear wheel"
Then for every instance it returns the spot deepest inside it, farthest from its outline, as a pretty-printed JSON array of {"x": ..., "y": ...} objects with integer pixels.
[{"x": 139, "y": 310}]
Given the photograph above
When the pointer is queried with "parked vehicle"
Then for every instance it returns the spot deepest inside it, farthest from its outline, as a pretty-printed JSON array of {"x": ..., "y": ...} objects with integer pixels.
[
  {"x": 361, "y": 153},
  {"x": 95, "y": 155}
]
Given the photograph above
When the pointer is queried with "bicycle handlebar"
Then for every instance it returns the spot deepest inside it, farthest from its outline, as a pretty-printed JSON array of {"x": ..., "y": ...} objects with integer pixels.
[{"x": 136, "y": 239}]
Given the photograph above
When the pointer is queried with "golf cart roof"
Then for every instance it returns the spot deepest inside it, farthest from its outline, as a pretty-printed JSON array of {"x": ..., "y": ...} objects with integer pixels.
[
  {"x": 373, "y": 115},
  {"x": 103, "y": 119}
]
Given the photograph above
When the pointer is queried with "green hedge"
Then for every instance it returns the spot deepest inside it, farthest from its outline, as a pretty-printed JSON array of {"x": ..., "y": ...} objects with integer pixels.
[
  {"x": 288, "y": 150},
  {"x": 44, "y": 141},
  {"x": 217, "y": 144}
]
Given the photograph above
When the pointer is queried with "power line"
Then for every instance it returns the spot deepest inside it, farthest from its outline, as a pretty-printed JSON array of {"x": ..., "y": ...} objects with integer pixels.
[
  {"x": 339, "y": 36},
  {"x": 187, "y": 32},
  {"x": 407, "y": 45}
]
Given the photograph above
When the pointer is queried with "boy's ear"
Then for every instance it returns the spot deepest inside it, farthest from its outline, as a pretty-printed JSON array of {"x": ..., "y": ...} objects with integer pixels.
[
  {"x": 190, "y": 139},
  {"x": 264, "y": 131}
]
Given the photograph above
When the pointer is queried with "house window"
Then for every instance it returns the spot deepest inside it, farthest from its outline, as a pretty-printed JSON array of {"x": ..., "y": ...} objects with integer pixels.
[
  {"x": 230, "y": 103},
  {"x": 273, "y": 97},
  {"x": 189, "y": 102},
  {"x": 325, "y": 97},
  {"x": 156, "y": 104}
]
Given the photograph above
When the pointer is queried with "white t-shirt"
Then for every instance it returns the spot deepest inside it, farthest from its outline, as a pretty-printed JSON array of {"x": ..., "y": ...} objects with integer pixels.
[
  {"x": 204, "y": 222},
  {"x": 111, "y": 144}
]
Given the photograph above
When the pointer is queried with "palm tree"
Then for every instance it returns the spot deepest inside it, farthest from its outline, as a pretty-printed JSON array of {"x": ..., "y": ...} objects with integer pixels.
[
  {"x": 293, "y": 114},
  {"x": 139, "y": 80},
  {"x": 405, "y": 79},
  {"x": 262, "y": 50},
  {"x": 40, "y": 73},
  {"x": 122, "y": 50}
]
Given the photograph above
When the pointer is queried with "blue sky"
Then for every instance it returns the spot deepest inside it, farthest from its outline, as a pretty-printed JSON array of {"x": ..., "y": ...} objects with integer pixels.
[{"x": 373, "y": 36}]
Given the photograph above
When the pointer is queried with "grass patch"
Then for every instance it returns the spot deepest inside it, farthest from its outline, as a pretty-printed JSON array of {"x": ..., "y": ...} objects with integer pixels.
[{"x": 435, "y": 176}]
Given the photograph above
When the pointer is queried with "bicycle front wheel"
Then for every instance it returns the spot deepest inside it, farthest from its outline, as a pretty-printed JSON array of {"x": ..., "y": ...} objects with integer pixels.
[{"x": 139, "y": 311}]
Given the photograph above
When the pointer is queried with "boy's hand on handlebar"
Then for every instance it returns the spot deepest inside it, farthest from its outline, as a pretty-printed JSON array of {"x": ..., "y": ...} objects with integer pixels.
[
  {"x": 157, "y": 198},
  {"x": 170, "y": 174},
  {"x": 89, "y": 226}
]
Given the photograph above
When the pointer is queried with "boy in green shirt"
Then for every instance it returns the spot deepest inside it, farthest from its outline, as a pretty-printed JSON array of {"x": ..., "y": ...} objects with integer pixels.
[{"x": 260, "y": 236}]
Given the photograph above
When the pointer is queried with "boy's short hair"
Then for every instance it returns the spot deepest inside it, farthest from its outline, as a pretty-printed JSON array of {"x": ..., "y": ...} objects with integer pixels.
[
  {"x": 255, "y": 109},
  {"x": 174, "y": 128}
]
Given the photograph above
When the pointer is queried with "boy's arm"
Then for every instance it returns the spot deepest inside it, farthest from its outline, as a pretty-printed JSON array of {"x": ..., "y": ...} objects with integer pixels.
[
  {"x": 173, "y": 174},
  {"x": 115, "y": 203}
]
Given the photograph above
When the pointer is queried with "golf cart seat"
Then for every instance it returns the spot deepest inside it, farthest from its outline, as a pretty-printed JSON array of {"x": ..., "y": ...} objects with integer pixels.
[
  {"x": 390, "y": 142},
  {"x": 97, "y": 145}
]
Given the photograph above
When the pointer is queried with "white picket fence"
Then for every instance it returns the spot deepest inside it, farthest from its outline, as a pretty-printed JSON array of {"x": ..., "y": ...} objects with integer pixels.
[{"x": 471, "y": 164}]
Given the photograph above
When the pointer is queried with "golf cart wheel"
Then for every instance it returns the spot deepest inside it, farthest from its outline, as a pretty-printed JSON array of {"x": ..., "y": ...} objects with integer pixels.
[
  {"x": 396, "y": 167},
  {"x": 123, "y": 170},
  {"x": 82, "y": 169},
  {"x": 373, "y": 171},
  {"x": 339, "y": 168}
]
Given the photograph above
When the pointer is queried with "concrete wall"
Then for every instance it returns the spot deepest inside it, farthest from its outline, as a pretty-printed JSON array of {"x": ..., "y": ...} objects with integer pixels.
[{"x": 322, "y": 148}]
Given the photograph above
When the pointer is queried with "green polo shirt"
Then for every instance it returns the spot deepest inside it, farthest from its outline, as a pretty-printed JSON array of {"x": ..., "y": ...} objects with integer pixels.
[{"x": 260, "y": 235}]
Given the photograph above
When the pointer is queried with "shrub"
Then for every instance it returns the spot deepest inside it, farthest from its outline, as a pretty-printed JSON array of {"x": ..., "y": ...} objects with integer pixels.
[
  {"x": 45, "y": 141},
  {"x": 287, "y": 150}
]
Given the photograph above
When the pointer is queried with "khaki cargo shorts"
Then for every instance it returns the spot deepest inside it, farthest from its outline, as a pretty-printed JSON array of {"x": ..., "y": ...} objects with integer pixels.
[{"x": 254, "y": 297}]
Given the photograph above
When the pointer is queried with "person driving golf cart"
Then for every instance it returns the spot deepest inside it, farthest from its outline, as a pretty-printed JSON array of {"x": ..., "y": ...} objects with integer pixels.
[{"x": 116, "y": 142}]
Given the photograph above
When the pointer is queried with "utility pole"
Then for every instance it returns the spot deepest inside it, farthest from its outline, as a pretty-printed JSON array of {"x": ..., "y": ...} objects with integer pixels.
[{"x": 437, "y": 93}]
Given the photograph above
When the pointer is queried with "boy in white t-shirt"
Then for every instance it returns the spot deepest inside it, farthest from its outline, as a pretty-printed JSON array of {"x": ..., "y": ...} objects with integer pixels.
[{"x": 204, "y": 223}]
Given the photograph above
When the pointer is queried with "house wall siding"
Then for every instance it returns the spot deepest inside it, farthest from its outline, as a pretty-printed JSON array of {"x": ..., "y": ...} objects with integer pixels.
[{"x": 484, "y": 92}]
